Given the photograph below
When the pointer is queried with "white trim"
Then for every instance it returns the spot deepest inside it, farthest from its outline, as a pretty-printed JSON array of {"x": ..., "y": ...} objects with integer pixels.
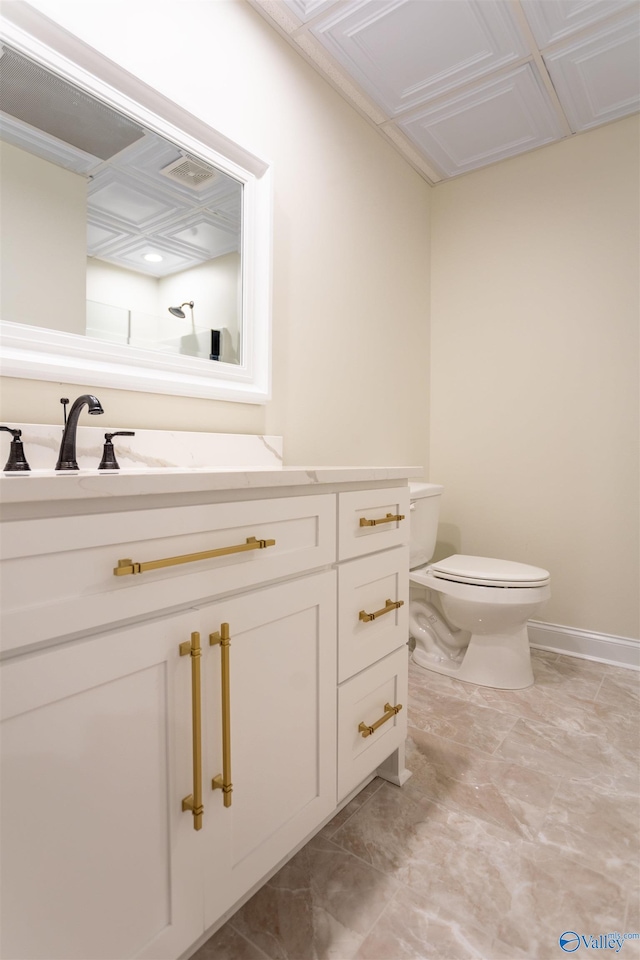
[
  {"x": 602, "y": 647},
  {"x": 34, "y": 353}
]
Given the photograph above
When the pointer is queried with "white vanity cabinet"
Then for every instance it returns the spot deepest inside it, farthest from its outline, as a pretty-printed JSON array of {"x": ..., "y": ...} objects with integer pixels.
[
  {"x": 373, "y": 629},
  {"x": 170, "y": 736}
]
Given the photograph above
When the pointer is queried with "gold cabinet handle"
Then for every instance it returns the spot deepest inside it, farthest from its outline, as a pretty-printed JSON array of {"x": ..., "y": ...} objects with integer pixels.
[
  {"x": 389, "y": 712},
  {"x": 223, "y": 780},
  {"x": 390, "y": 517},
  {"x": 389, "y": 605},
  {"x": 194, "y": 801},
  {"x": 126, "y": 567}
]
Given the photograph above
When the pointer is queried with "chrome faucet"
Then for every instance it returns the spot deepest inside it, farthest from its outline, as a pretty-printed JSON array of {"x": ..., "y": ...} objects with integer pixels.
[{"x": 67, "y": 456}]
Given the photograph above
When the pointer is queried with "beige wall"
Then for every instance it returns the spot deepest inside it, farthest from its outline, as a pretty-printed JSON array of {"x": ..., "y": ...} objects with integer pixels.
[
  {"x": 106, "y": 283},
  {"x": 351, "y": 239},
  {"x": 534, "y": 403},
  {"x": 43, "y": 241}
]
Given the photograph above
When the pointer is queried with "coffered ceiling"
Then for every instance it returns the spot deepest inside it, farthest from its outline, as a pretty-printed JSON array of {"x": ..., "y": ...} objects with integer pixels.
[{"x": 456, "y": 85}]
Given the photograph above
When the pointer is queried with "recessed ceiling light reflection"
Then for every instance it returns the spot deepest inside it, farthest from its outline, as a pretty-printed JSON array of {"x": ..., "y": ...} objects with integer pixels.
[{"x": 152, "y": 257}]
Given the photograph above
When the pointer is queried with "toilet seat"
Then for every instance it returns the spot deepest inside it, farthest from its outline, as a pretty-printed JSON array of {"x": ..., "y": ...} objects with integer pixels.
[{"x": 489, "y": 572}]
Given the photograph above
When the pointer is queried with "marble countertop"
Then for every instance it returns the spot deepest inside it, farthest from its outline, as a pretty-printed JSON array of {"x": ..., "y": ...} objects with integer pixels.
[
  {"x": 168, "y": 462},
  {"x": 41, "y": 485}
]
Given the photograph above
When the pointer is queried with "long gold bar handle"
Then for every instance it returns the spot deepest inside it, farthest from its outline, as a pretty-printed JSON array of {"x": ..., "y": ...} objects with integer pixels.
[
  {"x": 389, "y": 605},
  {"x": 389, "y": 712},
  {"x": 390, "y": 518},
  {"x": 223, "y": 780},
  {"x": 126, "y": 567},
  {"x": 194, "y": 801}
]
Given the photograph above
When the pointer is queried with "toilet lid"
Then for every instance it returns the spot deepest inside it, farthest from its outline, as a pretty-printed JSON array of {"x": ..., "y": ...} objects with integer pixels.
[{"x": 487, "y": 571}]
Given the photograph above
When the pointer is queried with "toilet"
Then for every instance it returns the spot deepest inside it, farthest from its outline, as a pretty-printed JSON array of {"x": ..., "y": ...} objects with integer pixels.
[{"x": 471, "y": 620}]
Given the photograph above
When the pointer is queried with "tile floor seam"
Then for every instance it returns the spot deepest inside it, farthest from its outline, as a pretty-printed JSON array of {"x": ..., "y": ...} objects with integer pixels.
[
  {"x": 598, "y": 868},
  {"x": 519, "y": 833},
  {"x": 595, "y": 696},
  {"x": 355, "y": 856},
  {"x": 550, "y": 804},
  {"x": 248, "y": 940},
  {"x": 406, "y": 885},
  {"x": 508, "y": 762},
  {"x": 384, "y": 909},
  {"x": 412, "y": 890},
  {"x": 507, "y": 734},
  {"x": 458, "y": 743},
  {"x": 359, "y": 807},
  {"x": 488, "y": 756},
  {"x": 462, "y": 743},
  {"x": 549, "y": 721}
]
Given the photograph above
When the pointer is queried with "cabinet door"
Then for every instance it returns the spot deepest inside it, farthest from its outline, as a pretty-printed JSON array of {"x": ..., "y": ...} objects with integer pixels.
[
  {"x": 370, "y": 520},
  {"x": 282, "y": 669},
  {"x": 98, "y": 859},
  {"x": 368, "y": 626},
  {"x": 369, "y": 699}
]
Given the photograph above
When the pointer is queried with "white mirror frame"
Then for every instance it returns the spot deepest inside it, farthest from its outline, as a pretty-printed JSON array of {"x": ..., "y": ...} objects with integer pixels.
[{"x": 39, "y": 353}]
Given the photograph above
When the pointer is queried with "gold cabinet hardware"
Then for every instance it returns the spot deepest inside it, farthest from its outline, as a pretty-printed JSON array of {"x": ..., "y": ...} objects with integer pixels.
[
  {"x": 389, "y": 605},
  {"x": 223, "y": 780},
  {"x": 194, "y": 801},
  {"x": 389, "y": 712},
  {"x": 126, "y": 567},
  {"x": 390, "y": 517}
]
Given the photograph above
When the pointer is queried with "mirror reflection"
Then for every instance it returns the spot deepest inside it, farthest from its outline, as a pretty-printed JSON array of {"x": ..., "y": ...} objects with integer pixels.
[{"x": 110, "y": 230}]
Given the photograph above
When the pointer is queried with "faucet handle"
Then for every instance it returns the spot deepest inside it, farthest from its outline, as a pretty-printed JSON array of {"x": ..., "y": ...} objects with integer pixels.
[
  {"x": 109, "y": 461},
  {"x": 17, "y": 462}
]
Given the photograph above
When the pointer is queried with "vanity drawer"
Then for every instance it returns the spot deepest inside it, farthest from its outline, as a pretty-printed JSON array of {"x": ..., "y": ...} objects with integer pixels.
[
  {"x": 370, "y": 625},
  {"x": 362, "y": 702},
  {"x": 365, "y": 521},
  {"x": 58, "y": 573}
]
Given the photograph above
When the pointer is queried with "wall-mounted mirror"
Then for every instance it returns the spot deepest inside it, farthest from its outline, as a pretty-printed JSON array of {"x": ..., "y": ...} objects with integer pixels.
[{"x": 135, "y": 238}]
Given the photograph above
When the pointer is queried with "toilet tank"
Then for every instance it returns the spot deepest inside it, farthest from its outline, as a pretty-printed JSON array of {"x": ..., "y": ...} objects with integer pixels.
[{"x": 423, "y": 519}]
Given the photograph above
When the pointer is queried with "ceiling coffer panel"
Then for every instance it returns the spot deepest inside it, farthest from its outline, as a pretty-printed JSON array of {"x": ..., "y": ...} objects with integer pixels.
[
  {"x": 39, "y": 98},
  {"x": 405, "y": 54},
  {"x": 430, "y": 75}
]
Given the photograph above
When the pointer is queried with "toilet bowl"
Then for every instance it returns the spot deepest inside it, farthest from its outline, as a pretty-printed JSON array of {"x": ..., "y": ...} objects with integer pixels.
[{"x": 469, "y": 620}]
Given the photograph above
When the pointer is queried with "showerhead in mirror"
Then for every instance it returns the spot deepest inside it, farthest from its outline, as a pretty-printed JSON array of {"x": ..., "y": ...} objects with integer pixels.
[{"x": 179, "y": 312}]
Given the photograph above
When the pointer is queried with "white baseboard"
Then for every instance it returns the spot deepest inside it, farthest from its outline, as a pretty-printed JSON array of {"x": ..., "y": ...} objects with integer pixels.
[{"x": 618, "y": 651}]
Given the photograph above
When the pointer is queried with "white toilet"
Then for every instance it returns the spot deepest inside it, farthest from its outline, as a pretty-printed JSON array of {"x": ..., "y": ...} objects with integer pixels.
[{"x": 472, "y": 623}]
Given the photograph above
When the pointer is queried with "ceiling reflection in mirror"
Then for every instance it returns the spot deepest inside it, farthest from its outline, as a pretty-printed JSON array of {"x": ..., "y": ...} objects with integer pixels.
[{"x": 152, "y": 232}]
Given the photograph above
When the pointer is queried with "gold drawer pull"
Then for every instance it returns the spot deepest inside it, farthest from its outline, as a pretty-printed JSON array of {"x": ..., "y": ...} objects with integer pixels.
[
  {"x": 194, "y": 801},
  {"x": 126, "y": 567},
  {"x": 390, "y": 517},
  {"x": 223, "y": 780},
  {"x": 389, "y": 712},
  {"x": 389, "y": 605}
]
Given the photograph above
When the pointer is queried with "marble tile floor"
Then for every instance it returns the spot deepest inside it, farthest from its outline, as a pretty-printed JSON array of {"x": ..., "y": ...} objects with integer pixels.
[{"x": 521, "y": 821}]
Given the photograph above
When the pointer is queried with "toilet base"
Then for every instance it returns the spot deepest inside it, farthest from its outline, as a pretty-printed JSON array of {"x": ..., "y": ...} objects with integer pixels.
[{"x": 493, "y": 660}]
